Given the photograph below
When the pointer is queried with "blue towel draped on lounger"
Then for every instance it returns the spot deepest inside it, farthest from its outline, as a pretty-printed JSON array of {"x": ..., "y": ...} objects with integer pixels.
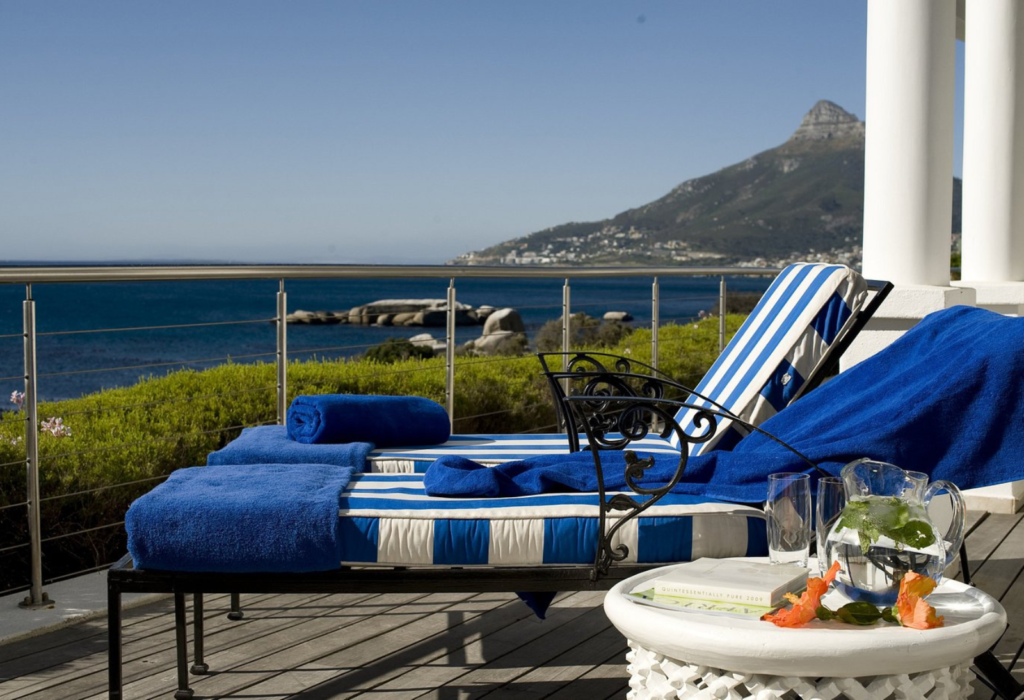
[
  {"x": 270, "y": 444},
  {"x": 238, "y": 519},
  {"x": 386, "y": 421},
  {"x": 946, "y": 399}
]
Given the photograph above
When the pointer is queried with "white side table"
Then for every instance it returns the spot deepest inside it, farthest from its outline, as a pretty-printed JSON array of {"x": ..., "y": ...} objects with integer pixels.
[{"x": 696, "y": 655}]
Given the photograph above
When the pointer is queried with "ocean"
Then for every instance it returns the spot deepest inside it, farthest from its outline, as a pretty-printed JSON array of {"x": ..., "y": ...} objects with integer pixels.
[{"x": 90, "y": 336}]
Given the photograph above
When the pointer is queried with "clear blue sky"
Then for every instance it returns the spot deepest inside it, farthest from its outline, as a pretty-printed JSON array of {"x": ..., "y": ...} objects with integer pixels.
[{"x": 385, "y": 131}]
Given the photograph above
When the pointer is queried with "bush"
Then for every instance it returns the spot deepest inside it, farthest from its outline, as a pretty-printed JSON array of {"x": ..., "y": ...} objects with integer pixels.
[
  {"x": 397, "y": 350},
  {"x": 585, "y": 331},
  {"x": 124, "y": 441}
]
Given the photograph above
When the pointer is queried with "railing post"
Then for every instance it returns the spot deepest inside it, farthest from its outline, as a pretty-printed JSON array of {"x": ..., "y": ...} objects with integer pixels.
[
  {"x": 721, "y": 315},
  {"x": 36, "y": 597},
  {"x": 282, "y": 354},
  {"x": 449, "y": 354},
  {"x": 655, "y": 321},
  {"x": 566, "y": 323},
  {"x": 566, "y": 332}
]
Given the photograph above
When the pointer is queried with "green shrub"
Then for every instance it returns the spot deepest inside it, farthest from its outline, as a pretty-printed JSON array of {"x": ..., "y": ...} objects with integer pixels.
[
  {"x": 586, "y": 332},
  {"x": 144, "y": 432},
  {"x": 397, "y": 350}
]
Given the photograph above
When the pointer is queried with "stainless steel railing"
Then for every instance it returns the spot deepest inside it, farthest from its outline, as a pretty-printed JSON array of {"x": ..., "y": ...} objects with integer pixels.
[{"x": 28, "y": 276}]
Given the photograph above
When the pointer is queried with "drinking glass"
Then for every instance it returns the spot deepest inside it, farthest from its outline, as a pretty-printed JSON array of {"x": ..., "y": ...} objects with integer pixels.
[
  {"x": 831, "y": 500},
  {"x": 788, "y": 511}
]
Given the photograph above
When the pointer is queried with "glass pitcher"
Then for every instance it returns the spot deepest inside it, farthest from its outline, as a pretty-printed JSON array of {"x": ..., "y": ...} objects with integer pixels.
[{"x": 886, "y": 530}]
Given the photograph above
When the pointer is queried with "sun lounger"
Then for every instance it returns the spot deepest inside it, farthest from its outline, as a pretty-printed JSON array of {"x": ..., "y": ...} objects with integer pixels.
[{"x": 395, "y": 538}]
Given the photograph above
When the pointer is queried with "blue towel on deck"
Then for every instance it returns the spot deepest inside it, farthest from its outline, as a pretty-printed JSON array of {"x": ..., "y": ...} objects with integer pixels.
[
  {"x": 946, "y": 399},
  {"x": 270, "y": 444},
  {"x": 239, "y": 519},
  {"x": 386, "y": 421}
]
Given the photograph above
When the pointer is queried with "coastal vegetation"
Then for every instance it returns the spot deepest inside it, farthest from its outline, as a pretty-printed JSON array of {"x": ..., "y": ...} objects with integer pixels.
[{"x": 117, "y": 444}]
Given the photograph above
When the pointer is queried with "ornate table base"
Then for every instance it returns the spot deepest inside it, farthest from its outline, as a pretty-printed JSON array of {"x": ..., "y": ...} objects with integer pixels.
[{"x": 656, "y": 677}]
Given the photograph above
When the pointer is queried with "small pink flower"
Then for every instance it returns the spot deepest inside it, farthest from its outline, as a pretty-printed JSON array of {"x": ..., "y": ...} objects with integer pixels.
[
  {"x": 18, "y": 398},
  {"x": 55, "y": 427}
]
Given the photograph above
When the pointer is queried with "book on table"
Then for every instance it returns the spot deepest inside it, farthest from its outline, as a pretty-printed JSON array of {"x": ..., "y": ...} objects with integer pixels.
[
  {"x": 729, "y": 586},
  {"x": 693, "y": 605}
]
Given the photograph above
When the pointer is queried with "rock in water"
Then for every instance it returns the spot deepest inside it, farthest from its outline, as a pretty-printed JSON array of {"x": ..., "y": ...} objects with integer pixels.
[
  {"x": 504, "y": 320},
  {"x": 620, "y": 316}
]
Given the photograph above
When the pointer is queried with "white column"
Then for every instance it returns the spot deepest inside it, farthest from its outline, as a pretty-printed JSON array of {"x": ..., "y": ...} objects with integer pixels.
[
  {"x": 908, "y": 165},
  {"x": 993, "y": 195},
  {"x": 908, "y": 160}
]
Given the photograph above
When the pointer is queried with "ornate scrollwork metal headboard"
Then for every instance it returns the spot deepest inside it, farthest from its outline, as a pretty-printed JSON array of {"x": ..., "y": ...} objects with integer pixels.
[
  {"x": 608, "y": 378},
  {"x": 616, "y": 409}
]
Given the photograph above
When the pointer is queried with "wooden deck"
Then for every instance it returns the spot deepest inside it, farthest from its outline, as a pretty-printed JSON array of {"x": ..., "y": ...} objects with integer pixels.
[{"x": 394, "y": 646}]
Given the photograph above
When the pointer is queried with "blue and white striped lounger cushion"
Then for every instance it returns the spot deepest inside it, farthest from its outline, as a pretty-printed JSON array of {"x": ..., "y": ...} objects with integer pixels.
[
  {"x": 787, "y": 336},
  {"x": 490, "y": 450},
  {"x": 388, "y": 520}
]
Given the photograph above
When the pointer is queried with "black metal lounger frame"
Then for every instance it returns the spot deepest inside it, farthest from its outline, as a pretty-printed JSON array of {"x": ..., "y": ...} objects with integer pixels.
[{"x": 630, "y": 399}]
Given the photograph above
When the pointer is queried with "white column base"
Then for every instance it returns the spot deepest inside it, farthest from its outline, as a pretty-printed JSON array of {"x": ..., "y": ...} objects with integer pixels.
[
  {"x": 905, "y": 306},
  {"x": 1006, "y": 298},
  {"x": 1005, "y": 499}
]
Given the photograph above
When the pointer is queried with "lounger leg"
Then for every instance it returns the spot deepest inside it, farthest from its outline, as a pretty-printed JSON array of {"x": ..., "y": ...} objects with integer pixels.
[
  {"x": 199, "y": 667},
  {"x": 114, "y": 641},
  {"x": 236, "y": 607},
  {"x": 181, "y": 633}
]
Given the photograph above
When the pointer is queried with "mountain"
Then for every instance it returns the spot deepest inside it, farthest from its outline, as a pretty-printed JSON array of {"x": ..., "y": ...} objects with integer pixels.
[{"x": 801, "y": 200}]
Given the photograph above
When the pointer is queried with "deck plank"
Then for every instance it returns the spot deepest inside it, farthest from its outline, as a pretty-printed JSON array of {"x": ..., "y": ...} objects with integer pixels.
[
  {"x": 331, "y": 657},
  {"x": 485, "y": 648},
  {"x": 988, "y": 535},
  {"x": 1002, "y": 566},
  {"x": 508, "y": 668},
  {"x": 88, "y": 674},
  {"x": 275, "y": 645},
  {"x": 608, "y": 679},
  {"x": 49, "y": 651},
  {"x": 563, "y": 670}
]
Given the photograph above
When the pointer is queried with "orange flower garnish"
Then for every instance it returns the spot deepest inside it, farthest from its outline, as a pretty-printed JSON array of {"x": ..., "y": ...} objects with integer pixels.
[
  {"x": 805, "y": 607},
  {"x": 911, "y": 609}
]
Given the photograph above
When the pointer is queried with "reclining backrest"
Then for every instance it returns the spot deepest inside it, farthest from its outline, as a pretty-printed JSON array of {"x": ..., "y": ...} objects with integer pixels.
[{"x": 787, "y": 337}]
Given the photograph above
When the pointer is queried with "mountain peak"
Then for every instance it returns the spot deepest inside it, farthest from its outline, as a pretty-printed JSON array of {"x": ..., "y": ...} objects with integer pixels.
[{"x": 827, "y": 120}]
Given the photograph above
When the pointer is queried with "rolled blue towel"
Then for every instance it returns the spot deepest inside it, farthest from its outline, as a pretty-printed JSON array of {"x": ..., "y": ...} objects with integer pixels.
[
  {"x": 270, "y": 444},
  {"x": 240, "y": 519},
  {"x": 386, "y": 421}
]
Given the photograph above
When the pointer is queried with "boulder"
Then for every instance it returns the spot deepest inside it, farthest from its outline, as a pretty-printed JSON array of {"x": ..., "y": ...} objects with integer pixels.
[
  {"x": 620, "y": 316},
  {"x": 316, "y": 317},
  {"x": 422, "y": 339},
  {"x": 383, "y": 320},
  {"x": 489, "y": 344},
  {"x": 299, "y": 316},
  {"x": 503, "y": 320},
  {"x": 438, "y": 318},
  {"x": 403, "y": 318}
]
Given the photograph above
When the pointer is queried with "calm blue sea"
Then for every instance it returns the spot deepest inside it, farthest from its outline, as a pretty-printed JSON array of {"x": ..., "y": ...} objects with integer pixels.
[{"x": 78, "y": 354}]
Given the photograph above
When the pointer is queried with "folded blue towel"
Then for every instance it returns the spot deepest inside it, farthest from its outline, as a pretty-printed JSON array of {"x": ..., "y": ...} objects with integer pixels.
[
  {"x": 386, "y": 421},
  {"x": 239, "y": 519},
  {"x": 270, "y": 444},
  {"x": 945, "y": 399}
]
